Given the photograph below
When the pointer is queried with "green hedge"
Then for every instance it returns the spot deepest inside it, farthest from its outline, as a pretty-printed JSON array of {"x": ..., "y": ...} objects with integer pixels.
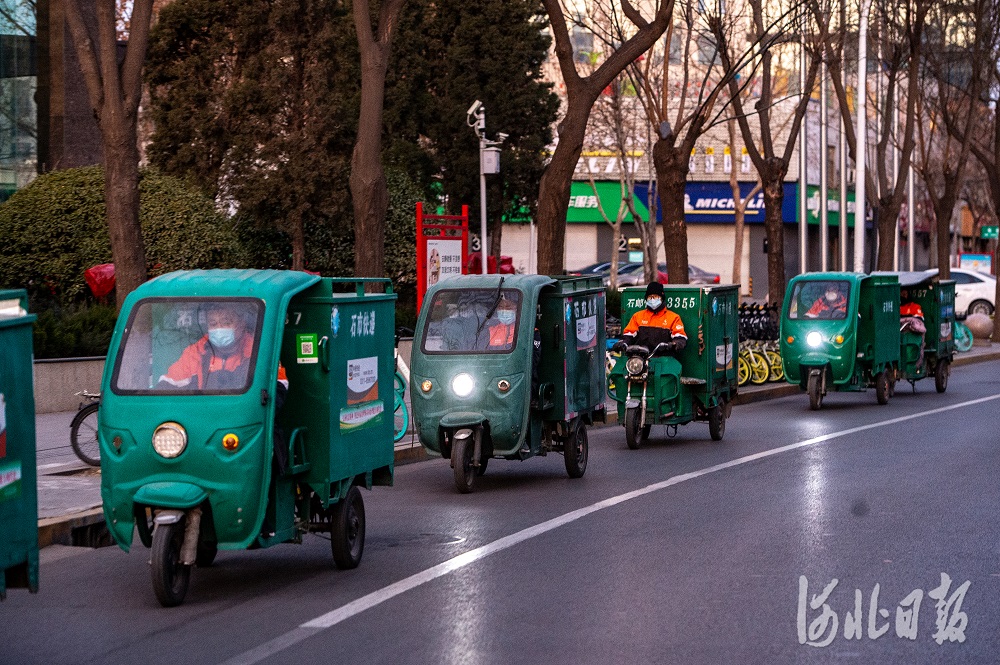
[
  {"x": 56, "y": 228},
  {"x": 75, "y": 331}
]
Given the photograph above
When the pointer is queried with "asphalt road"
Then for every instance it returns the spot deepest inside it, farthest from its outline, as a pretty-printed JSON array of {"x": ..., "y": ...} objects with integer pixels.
[{"x": 685, "y": 551}]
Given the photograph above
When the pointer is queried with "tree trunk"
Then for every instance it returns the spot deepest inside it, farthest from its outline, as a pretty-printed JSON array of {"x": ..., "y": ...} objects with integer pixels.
[
  {"x": 554, "y": 189},
  {"x": 121, "y": 196},
  {"x": 773, "y": 179},
  {"x": 671, "y": 178},
  {"x": 943, "y": 209},
  {"x": 369, "y": 193},
  {"x": 888, "y": 219},
  {"x": 298, "y": 236}
]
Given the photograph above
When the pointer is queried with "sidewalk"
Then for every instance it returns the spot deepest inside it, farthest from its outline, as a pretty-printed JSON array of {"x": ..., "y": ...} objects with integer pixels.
[{"x": 69, "y": 491}]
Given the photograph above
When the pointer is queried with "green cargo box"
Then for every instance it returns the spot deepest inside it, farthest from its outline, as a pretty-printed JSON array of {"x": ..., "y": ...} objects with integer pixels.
[
  {"x": 571, "y": 327},
  {"x": 18, "y": 481},
  {"x": 338, "y": 350}
]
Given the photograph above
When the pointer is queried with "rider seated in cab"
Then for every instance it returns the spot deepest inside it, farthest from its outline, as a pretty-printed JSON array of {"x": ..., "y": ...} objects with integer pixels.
[
  {"x": 655, "y": 324},
  {"x": 911, "y": 319},
  {"x": 831, "y": 305}
]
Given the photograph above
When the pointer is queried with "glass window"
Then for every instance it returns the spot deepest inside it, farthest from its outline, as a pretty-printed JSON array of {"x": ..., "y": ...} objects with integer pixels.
[
  {"x": 473, "y": 321},
  {"x": 189, "y": 346},
  {"x": 820, "y": 299},
  {"x": 964, "y": 278}
]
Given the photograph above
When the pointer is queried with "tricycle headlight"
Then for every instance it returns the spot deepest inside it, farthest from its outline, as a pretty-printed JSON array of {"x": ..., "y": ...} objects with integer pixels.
[
  {"x": 169, "y": 440},
  {"x": 635, "y": 365},
  {"x": 462, "y": 385},
  {"x": 814, "y": 339}
]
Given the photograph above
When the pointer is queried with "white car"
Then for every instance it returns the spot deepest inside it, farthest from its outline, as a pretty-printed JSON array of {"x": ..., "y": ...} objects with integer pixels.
[{"x": 975, "y": 292}]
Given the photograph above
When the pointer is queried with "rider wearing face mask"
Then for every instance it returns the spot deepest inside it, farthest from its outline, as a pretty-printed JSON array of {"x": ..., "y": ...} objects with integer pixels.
[
  {"x": 831, "y": 305},
  {"x": 502, "y": 332},
  {"x": 655, "y": 323},
  {"x": 217, "y": 361}
]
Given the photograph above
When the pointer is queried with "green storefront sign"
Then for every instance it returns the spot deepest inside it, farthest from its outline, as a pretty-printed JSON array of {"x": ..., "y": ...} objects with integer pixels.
[
  {"x": 832, "y": 206},
  {"x": 989, "y": 232}
]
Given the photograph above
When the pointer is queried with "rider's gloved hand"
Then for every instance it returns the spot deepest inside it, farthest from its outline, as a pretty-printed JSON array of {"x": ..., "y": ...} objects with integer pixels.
[{"x": 619, "y": 346}]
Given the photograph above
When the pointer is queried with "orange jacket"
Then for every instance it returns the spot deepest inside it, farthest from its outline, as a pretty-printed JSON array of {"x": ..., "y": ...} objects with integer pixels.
[
  {"x": 191, "y": 363},
  {"x": 822, "y": 305},
  {"x": 664, "y": 318},
  {"x": 911, "y": 309},
  {"x": 501, "y": 336}
]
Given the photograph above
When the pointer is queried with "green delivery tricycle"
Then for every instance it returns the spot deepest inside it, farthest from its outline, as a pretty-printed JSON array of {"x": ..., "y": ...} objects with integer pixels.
[
  {"x": 242, "y": 409},
  {"x": 698, "y": 383},
  {"x": 840, "y": 331},
  {"x": 509, "y": 367},
  {"x": 927, "y": 346}
]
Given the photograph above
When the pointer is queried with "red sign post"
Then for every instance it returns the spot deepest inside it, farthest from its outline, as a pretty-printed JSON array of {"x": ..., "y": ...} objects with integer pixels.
[{"x": 442, "y": 243}]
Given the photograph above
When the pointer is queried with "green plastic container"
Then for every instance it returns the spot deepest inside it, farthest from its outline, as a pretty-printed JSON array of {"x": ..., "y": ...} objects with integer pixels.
[
  {"x": 571, "y": 326},
  {"x": 18, "y": 480}
]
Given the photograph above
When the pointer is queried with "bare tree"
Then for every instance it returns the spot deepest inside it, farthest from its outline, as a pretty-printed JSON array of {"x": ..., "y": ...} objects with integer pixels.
[
  {"x": 368, "y": 187},
  {"x": 739, "y": 202},
  {"x": 773, "y": 36},
  {"x": 115, "y": 88},
  {"x": 639, "y": 33}
]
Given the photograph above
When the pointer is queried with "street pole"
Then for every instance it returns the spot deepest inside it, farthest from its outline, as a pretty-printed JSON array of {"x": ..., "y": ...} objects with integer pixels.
[
  {"x": 860, "y": 212},
  {"x": 803, "y": 162},
  {"x": 482, "y": 190},
  {"x": 895, "y": 177},
  {"x": 910, "y": 216},
  {"x": 842, "y": 149},
  {"x": 824, "y": 176}
]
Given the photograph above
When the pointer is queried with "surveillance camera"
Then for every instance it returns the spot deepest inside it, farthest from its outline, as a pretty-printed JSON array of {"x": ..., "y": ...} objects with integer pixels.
[
  {"x": 476, "y": 105},
  {"x": 501, "y": 136}
]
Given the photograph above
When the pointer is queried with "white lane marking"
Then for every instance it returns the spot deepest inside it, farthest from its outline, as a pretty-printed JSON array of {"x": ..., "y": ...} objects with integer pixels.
[{"x": 380, "y": 596}]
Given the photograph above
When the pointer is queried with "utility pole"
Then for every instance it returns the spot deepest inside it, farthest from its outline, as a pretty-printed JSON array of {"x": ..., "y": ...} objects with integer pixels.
[{"x": 489, "y": 164}]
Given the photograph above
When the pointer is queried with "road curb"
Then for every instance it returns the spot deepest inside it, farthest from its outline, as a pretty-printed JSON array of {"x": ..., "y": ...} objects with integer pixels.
[{"x": 60, "y": 530}]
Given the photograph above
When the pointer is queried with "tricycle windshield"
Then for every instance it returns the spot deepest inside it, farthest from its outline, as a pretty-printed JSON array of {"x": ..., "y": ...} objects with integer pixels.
[
  {"x": 190, "y": 346},
  {"x": 473, "y": 321},
  {"x": 819, "y": 299}
]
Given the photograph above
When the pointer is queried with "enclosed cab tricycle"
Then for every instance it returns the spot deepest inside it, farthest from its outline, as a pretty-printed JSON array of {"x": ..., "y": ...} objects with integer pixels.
[
  {"x": 840, "y": 331},
  {"x": 241, "y": 409},
  {"x": 508, "y": 366},
  {"x": 697, "y": 383}
]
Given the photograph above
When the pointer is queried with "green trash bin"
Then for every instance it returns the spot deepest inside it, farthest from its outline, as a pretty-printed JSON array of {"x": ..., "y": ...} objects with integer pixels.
[{"x": 18, "y": 481}]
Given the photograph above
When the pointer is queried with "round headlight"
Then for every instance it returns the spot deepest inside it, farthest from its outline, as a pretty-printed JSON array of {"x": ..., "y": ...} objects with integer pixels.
[
  {"x": 169, "y": 440},
  {"x": 635, "y": 365},
  {"x": 814, "y": 339},
  {"x": 462, "y": 385}
]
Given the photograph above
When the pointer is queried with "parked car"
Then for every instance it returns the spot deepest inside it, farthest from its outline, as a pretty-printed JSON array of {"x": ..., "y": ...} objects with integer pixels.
[
  {"x": 600, "y": 268},
  {"x": 630, "y": 274},
  {"x": 975, "y": 292}
]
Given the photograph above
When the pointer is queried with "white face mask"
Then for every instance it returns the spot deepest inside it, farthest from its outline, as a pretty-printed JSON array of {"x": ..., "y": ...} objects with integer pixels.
[
  {"x": 506, "y": 316},
  {"x": 831, "y": 295},
  {"x": 653, "y": 303}
]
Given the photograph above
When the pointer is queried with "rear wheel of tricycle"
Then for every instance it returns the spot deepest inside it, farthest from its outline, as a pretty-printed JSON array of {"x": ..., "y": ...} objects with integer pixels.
[
  {"x": 633, "y": 428},
  {"x": 576, "y": 452},
  {"x": 462, "y": 449},
  {"x": 717, "y": 422},
  {"x": 882, "y": 387},
  {"x": 941, "y": 373},
  {"x": 347, "y": 530},
  {"x": 170, "y": 576},
  {"x": 814, "y": 387}
]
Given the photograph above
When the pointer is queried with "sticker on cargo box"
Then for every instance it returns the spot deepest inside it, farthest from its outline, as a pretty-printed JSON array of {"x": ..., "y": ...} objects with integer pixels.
[
  {"x": 362, "y": 380},
  {"x": 586, "y": 332},
  {"x": 3, "y": 427},
  {"x": 369, "y": 414},
  {"x": 10, "y": 481},
  {"x": 724, "y": 356},
  {"x": 307, "y": 348}
]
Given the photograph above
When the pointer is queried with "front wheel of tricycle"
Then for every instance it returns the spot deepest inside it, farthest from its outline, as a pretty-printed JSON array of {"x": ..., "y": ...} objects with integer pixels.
[
  {"x": 882, "y": 388},
  {"x": 170, "y": 576},
  {"x": 462, "y": 450},
  {"x": 717, "y": 422},
  {"x": 814, "y": 387},
  {"x": 576, "y": 452},
  {"x": 941, "y": 373},
  {"x": 633, "y": 428},
  {"x": 347, "y": 530}
]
